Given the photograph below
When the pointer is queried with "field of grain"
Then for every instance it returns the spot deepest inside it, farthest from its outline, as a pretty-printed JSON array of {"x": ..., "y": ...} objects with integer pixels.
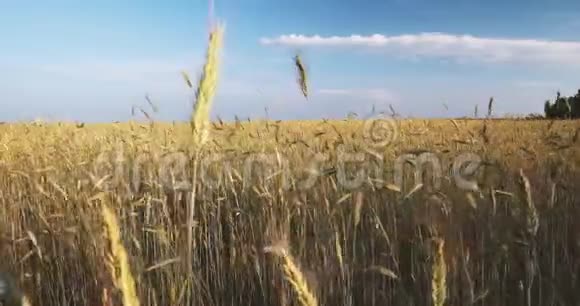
[{"x": 293, "y": 213}]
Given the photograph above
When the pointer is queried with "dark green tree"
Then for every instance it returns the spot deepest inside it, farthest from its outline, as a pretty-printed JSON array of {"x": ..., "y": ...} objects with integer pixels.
[
  {"x": 548, "y": 109},
  {"x": 575, "y": 105},
  {"x": 563, "y": 107}
]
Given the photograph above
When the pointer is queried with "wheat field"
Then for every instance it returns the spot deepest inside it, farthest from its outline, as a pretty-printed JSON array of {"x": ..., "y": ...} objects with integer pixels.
[{"x": 292, "y": 213}]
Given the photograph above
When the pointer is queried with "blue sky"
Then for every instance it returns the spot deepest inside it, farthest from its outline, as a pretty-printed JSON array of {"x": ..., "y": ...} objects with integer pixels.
[{"x": 93, "y": 60}]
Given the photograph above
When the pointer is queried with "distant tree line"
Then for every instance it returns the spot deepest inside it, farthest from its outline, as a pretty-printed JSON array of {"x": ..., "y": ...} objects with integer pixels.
[{"x": 563, "y": 107}]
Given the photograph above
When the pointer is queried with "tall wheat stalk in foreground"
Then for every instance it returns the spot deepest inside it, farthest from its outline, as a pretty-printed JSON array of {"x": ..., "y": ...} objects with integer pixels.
[
  {"x": 207, "y": 86},
  {"x": 200, "y": 116},
  {"x": 532, "y": 224},
  {"x": 439, "y": 277},
  {"x": 293, "y": 275},
  {"x": 119, "y": 259}
]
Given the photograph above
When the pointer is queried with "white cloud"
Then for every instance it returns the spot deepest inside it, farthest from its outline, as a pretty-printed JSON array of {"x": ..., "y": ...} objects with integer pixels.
[{"x": 443, "y": 45}]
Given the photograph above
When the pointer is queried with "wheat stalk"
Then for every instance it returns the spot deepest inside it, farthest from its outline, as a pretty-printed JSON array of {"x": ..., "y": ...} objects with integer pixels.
[
  {"x": 532, "y": 219},
  {"x": 302, "y": 77},
  {"x": 532, "y": 223},
  {"x": 207, "y": 86},
  {"x": 124, "y": 281},
  {"x": 439, "y": 277},
  {"x": 294, "y": 276}
]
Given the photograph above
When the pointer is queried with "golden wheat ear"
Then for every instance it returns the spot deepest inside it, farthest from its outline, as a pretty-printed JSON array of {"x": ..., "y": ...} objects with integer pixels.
[
  {"x": 439, "y": 274},
  {"x": 119, "y": 266},
  {"x": 207, "y": 86},
  {"x": 293, "y": 274}
]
